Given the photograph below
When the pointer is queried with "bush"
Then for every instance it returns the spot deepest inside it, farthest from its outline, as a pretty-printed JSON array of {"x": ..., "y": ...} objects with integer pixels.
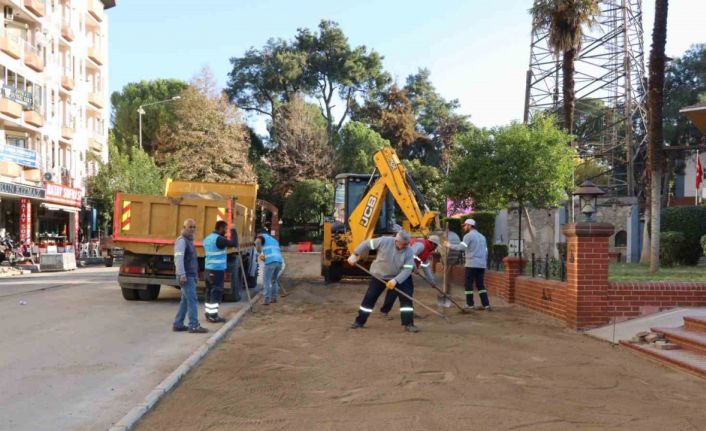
[
  {"x": 561, "y": 248},
  {"x": 674, "y": 249},
  {"x": 485, "y": 222},
  {"x": 691, "y": 221},
  {"x": 703, "y": 244}
]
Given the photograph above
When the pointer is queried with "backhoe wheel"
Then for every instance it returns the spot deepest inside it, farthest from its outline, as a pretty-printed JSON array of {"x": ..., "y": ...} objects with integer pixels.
[
  {"x": 333, "y": 273},
  {"x": 149, "y": 294}
]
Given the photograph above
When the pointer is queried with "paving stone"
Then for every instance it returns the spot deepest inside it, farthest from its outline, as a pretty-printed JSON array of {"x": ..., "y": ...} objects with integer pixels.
[
  {"x": 652, "y": 337},
  {"x": 665, "y": 345}
]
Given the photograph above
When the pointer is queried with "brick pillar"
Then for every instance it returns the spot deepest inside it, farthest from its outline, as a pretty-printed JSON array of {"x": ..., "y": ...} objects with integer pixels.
[
  {"x": 513, "y": 269},
  {"x": 587, "y": 273}
]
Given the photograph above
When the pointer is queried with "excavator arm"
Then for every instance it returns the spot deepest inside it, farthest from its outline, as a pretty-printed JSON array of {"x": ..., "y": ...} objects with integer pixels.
[{"x": 393, "y": 179}]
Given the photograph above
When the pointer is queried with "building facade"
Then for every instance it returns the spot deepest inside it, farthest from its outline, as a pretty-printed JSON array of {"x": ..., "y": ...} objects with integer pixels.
[{"x": 53, "y": 115}]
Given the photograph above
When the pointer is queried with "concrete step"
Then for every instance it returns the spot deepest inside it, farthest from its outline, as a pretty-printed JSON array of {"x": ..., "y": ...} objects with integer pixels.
[
  {"x": 690, "y": 340},
  {"x": 695, "y": 323},
  {"x": 684, "y": 359}
]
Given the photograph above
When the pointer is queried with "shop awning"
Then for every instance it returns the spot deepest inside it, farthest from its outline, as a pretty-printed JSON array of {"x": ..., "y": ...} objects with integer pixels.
[
  {"x": 54, "y": 207},
  {"x": 697, "y": 115}
]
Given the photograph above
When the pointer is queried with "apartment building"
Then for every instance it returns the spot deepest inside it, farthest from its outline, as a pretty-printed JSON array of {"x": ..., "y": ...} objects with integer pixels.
[{"x": 53, "y": 115}]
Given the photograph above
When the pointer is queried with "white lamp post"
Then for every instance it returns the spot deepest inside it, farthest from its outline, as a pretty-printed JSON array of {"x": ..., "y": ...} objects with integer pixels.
[{"x": 141, "y": 112}]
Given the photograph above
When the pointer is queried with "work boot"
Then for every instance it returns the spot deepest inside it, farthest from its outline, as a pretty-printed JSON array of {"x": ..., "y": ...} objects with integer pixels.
[
  {"x": 411, "y": 328},
  {"x": 469, "y": 308},
  {"x": 266, "y": 301},
  {"x": 487, "y": 308},
  {"x": 215, "y": 319},
  {"x": 198, "y": 330},
  {"x": 356, "y": 325},
  {"x": 180, "y": 328}
]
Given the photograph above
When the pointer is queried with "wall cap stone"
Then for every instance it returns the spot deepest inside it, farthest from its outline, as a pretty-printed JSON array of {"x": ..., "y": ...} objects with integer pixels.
[{"x": 588, "y": 229}]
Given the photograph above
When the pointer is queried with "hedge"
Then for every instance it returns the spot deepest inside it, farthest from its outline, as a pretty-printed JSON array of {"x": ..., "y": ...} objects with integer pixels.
[
  {"x": 673, "y": 249},
  {"x": 485, "y": 223},
  {"x": 703, "y": 244},
  {"x": 691, "y": 221}
]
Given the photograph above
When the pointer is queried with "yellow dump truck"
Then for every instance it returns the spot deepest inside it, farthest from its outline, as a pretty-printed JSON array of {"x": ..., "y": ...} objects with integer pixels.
[{"x": 146, "y": 226}]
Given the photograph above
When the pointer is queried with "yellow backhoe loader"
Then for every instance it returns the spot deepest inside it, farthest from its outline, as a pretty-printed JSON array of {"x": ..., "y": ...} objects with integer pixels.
[{"x": 364, "y": 208}]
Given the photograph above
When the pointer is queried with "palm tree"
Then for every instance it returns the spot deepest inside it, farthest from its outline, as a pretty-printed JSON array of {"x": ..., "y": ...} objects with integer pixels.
[
  {"x": 655, "y": 98},
  {"x": 564, "y": 21}
]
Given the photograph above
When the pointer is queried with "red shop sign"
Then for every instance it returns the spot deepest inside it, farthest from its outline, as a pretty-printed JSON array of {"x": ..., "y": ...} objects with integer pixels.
[{"x": 63, "y": 195}]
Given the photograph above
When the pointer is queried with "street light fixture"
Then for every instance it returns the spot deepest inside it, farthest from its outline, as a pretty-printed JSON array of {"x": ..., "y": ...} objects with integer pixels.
[
  {"x": 588, "y": 197},
  {"x": 141, "y": 112}
]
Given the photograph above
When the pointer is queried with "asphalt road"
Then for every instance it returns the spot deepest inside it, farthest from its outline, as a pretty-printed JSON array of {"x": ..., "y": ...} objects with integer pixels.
[{"x": 74, "y": 355}]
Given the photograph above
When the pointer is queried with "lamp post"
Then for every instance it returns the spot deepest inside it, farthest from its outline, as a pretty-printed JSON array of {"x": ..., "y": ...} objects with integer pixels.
[
  {"x": 588, "y": 198},
  {"x": 141, "y": 112}
]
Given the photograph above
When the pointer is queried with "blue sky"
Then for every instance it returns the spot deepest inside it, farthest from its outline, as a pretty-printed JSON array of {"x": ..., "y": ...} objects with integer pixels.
[{"x": 477, "y": 50}]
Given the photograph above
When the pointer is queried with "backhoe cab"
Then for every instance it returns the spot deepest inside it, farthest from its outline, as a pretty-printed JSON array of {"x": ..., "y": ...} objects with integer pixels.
[{"x": 365, "y": 206}]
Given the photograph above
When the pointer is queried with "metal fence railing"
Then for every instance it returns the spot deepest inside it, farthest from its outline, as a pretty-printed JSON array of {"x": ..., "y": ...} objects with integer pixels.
[{"x": 549, "y": 268}]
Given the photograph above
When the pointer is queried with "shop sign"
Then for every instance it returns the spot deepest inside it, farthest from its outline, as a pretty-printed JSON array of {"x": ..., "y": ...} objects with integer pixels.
[
  {"x": 25, "y": 220},
  {"x": 21, "y": 156},
  {"x": 22, "y": 97},
  {"x": 21, "y": 190},
  {"x": 63, "y": 195}
]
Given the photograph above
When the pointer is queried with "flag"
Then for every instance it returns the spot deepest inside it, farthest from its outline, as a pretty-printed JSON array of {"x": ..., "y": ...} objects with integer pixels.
[{"x": 699, "y": 172}]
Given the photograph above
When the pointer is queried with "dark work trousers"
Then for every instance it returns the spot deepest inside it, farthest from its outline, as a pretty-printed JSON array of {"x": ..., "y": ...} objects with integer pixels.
[
  {"x": 375, "y": 288},
  {"x": 214, "y": 290},
  {"x": 390, "y": 298},
  {"x": 476, "y": 275}
]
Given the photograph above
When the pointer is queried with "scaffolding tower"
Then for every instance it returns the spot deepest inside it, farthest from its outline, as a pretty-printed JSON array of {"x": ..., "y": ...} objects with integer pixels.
[{"x": 610, "y": 87}]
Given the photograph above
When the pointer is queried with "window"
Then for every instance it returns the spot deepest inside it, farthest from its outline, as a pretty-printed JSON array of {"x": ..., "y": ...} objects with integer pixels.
[
  {"x": 621, "y": 239},
  {"x": 16, "y": 141}
]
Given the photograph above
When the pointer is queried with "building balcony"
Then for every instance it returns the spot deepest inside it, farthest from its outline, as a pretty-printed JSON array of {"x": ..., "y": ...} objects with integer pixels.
[
  {"x": 35, "y": 6},
  {"x": 10, "y": 46},
  {"x": 95, "y": 55},
  {"x": 10, "y": 169},
  {"x": 67, "y": 33},
  {"x": 67, "y": 132},
  {"x": 33, "y": 175},
  {"x": 34, "y": 118},
  {"x": 96, "y": 99},
  {"x": 95, "y": 9},
  {"x": 94, "y": 143},
  {"x": 67, "y": 83},
  {"x": 33, "y": 60},
  {"x": 10, "y": 108}
]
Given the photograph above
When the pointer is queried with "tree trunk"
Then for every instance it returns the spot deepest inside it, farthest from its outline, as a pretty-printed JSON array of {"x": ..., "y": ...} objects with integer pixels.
[
  {"x": 567, "y": 67},
  {"x": 654, "y": 131},
  {"x": 645, "y": 252}
]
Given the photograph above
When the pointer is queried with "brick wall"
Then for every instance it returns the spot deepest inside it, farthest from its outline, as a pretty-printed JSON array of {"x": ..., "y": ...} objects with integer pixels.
[
  {"x": 546, "y": 296},
  {"x": 627, "y": 300}
]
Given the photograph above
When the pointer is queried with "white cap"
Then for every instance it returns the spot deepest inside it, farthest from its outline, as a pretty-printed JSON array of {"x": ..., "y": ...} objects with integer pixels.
[
  {"x": 470, "y": 222},
  {"x": 435, "y": 239}
]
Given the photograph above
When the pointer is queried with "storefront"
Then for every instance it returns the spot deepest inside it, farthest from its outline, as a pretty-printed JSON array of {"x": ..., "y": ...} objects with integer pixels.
[
  {"x": 58, "y": 219},
  {"x": 18, "y": 204}
]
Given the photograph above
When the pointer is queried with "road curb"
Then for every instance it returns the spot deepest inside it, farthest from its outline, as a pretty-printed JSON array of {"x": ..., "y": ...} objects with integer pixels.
[{"x": 128, "y": 421}]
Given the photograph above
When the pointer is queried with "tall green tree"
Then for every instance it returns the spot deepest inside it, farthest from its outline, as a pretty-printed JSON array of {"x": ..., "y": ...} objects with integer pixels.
[
  {"x": 302, "y": 150},
  {"x": 124, "y": 105},
  {"x": 564, "y": 20},
  {"x": 208, "y": 141},
  {"x": 655, "y": 138},
  {"x": 390, "y": 113},
  {"x": 437, "y": 121},
  {"x": 530, "y": 165},
  {"x": 355, "y": 149},
  {"x": 264, "y": 79},
  {"x": 685, "y": 84},
  {"x": 337, "y": 73},
  {"x": 430, "y": 183},
  {"x": 135, "y": 172}
]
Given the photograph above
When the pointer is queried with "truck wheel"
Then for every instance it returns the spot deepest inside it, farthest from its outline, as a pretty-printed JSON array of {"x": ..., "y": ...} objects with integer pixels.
[
  {"x": 149, "y": 294},
  {"x": 129, "y": 294}
]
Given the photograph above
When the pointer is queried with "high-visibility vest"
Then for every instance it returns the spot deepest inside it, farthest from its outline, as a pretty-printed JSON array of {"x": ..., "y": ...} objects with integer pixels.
[
  {"x": 429, "y": 248},
  {"x": 271, "y": 250},
  {"x": 216, "y": 258}
]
